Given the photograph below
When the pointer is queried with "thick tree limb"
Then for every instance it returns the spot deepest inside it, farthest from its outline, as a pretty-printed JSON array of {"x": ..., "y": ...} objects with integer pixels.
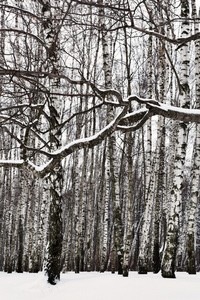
[
  {"x": 176, "y": 113},
  {"x": 167, "y": 111}
]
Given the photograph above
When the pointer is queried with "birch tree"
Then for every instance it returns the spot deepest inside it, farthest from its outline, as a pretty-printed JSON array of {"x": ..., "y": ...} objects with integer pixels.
[
  {"x": 49, "y": 142},
  {"x": 169, "y": 259},
  {"x": 111, "y": 164},
  {"x": 148, "y": 178},
  {"x": 55, "y": 177},
  {"x": 191, "y": 223},
  {"x": 129, "y": 192}
]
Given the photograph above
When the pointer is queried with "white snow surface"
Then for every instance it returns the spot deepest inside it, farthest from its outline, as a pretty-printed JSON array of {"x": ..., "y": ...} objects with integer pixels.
[{"x": 100, "y": 286}]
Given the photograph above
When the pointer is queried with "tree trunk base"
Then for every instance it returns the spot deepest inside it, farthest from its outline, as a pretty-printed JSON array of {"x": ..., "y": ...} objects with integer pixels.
[
  {"x": 142, "y": 269},
  {"x": 168, "y": 275},
  {"x": 125, "y": 271},
  {"x": 191, "y": 270},
  {"x": 191, "y": 265}
]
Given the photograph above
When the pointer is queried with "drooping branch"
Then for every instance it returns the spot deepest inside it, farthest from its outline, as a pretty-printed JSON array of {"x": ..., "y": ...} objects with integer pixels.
[
  {"x": 25, "y": 12},
  {"x": 58, "y": 155},
  {"x": 20, "y": 31}
]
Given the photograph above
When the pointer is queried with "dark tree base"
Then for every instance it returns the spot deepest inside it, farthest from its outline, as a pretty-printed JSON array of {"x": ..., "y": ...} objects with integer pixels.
[
  {"x": 52, "y": 282},
  {"x": 168, "y": 275},
  {"x": 142, "y": 270},
  {"x": 125, "y": 271}
]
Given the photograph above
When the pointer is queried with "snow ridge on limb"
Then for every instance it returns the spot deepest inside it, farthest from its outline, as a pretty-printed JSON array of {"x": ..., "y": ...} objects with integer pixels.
[
  {"x": 176, "y": 113},
  {"x": 167, "y": 111},
  {"x": 122, "y": 122}
]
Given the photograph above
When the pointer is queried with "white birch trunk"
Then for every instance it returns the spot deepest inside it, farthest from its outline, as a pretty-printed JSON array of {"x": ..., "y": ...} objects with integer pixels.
[
  {"x": 55, "y": 178},
  {"x": 129, "y": 178},
  {"x": 77, "y": 211},
  {"x": 129, "y": 207},
  {"x": 104, "y": 214},
  {"x": 8, "y": 217},
  {"x": 191, "y": 223},
  {"x": 111, "y": 165},
  {"x": 169, "y": 258},
  {"x": 160, "y": 157},
  {"x": 148, "y": 180},
  {"x": 91, "y": 201}
]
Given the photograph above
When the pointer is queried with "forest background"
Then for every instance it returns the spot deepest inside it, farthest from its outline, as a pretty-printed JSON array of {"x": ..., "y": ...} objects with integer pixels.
[{"x": 100, "y": 136}]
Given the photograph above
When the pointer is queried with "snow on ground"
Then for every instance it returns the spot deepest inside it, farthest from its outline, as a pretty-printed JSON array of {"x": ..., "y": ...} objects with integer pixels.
[{"x": 99, "y": 286}]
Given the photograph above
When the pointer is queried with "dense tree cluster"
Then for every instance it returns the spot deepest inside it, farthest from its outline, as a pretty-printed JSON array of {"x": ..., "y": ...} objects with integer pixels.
[{"x": 99, "y": 136}]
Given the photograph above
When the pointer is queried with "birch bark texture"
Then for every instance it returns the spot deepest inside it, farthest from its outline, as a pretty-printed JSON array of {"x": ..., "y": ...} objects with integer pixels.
[
  {"x": 148, "y": 177},
  {"x": 55, "y": 177},
  {"x": 192, "y": 215},
  {"x": 112, "y": 175},
  {"x": 169, "y": 257}
]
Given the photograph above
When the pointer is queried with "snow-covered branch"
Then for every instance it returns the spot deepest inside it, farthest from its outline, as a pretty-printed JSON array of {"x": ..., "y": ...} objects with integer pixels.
[
  {"x": 176, "y": 113},
  {"x": 156, "y": 108}
]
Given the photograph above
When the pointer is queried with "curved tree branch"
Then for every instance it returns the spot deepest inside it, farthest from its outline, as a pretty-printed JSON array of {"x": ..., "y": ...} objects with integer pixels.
[
  {"x": 57, "y": 156},
  {"x": 20, "y": 31}
]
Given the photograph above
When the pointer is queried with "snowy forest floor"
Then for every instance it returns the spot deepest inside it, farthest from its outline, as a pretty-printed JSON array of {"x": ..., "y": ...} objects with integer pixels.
[{"x": 100, "y": 286}]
